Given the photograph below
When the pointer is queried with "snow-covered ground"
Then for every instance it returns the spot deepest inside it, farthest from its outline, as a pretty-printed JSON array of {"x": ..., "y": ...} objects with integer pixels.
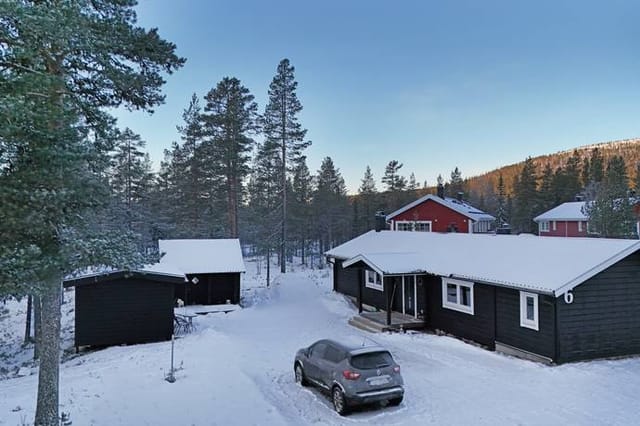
[{"x": 236, "y": 369}]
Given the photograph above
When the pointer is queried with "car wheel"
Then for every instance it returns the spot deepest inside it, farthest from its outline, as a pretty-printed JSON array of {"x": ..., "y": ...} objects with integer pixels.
[
  {"x": 395, "y": 401},
  {"x": 299, "y": 375},
  {"x": 339, "y": 401}
]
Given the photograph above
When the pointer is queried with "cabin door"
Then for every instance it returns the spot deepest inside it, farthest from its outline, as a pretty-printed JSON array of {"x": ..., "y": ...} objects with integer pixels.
[{"x": 409, "y": 295}]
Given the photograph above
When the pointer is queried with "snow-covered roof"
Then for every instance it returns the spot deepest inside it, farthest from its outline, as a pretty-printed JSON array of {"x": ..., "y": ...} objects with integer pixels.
[
  {"x": 459, "y": 206},
  {"x": 97, "y": 273},
  {"x": 203, "y": 256},
  {"x": 546, "y": 265},
  {"x": 566, "y": 211}
]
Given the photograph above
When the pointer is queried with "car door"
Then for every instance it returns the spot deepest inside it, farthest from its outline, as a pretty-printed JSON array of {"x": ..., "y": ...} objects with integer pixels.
[
  {"x": 329, "y": 365},
  {"x": 314, "y": 360}
]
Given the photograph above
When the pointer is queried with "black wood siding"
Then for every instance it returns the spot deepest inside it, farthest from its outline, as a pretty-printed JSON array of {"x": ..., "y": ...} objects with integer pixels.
[
  {"x": 604, "y": 318},
  {"x": 123, "y": 311},
  {"x": 212, "y": 289},
  {"x": 479, "y": 327},
  {"x": 509, "y": 331},
  {"x": 345, "y": 281}
]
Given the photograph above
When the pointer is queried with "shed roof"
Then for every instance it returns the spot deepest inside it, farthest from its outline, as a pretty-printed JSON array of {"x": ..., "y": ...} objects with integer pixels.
[
  {"x": 459, "y": 206},
  {"x": 203, "y": 256},
  {"x": 566, "y": 211},
  {"x": 163, "y": 273},
  {"x": 545, "y": 265}
]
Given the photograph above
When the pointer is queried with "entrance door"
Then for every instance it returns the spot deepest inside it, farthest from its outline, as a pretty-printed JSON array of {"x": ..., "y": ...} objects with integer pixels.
[
  {"x": 421, "y": 296},
  {"x": 409, "y": 292}
]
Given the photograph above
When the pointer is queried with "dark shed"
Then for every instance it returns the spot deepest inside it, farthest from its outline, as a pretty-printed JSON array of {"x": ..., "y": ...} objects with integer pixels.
[
  {"x": 212, "y": 266},
  {"x": 123, "y": 307}
]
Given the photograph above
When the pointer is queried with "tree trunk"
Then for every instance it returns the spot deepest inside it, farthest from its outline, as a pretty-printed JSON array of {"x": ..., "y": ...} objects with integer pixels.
[
  {"x": 37, "y": 314},
  {"x": 27, "y": 328},
  {"x": 48, "y": 377}
]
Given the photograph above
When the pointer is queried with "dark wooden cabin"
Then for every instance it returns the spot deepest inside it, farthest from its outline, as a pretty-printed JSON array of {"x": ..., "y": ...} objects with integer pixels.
[
  {"x": 212, "y": 266},
  {"x": 594, "y": 314},
  {"x": 123, "y": 307}
]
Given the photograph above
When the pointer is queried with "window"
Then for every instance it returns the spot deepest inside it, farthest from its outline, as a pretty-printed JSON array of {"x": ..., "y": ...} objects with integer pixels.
[
  {"x": 317, "y": 350},
  {"x": 371, "y": 360},
  {"x": 579, "y": 226},
  {"x": 544, "y": 226},
  {"x": 457, "y": 295},
  {"x": 333, "y": 355},
  {"x": 373, "y": 280},
  {"x": 555, "y": 227},
  {"x": 414, "y": 225},
  {"x": 529, "y": 310}
]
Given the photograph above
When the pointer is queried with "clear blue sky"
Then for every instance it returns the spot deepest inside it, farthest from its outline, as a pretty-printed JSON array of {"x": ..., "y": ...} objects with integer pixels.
[{"x": 433, "y": 84}]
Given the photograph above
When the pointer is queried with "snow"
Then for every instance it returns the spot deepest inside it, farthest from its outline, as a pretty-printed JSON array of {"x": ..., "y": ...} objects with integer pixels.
[
  {"x": 203, "y": 256},
  {"x": 572, "y": 211},
  {"x": 548, "y": 265},
  {"x": 236, "y": 369},
  {"x": 459, "y": 206}
]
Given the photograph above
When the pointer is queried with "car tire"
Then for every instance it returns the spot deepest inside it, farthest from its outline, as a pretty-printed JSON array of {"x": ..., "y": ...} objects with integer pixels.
[
  {"x": 299, "y": 375},
  {"x": 339, "y": 401},
  {"x": 395, "y": 402}
]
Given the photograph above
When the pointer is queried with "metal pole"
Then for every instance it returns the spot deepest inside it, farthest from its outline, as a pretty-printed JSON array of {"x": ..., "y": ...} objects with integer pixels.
[{"x": 171, "y": 378}]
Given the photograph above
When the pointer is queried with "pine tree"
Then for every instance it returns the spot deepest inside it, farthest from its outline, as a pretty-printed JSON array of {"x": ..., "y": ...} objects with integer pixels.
[
  {"x": 229, "y": 120},
  {"x": 525, "y": 198},
  {"x": 301, "y": 213},
  {"x": 501, "y": 213},
  {"x": 330, "y": 205},
  {"x": 456, "y": 184},
  {"x": 60, "y": 68},
  {"x": 548, "y": 191},
  {"x": 412, "y": 185},
  {"x": 395, "y": 185},
  {"x": 611, "y": 213},
  {"x": 367, "y": 194},
  {"x": 284, "y": 134}
]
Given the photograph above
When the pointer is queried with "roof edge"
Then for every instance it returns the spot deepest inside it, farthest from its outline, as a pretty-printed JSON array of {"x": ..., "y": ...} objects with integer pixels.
[{"x": 596, "y": 269}]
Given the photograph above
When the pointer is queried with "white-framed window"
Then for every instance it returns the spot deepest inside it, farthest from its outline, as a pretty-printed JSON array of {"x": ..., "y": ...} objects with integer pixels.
[
  {"x": 413, "y": 225},
  {"x": 544, "y": 226},
  {"x": 373, "y": 280},
  {"x": 457, "y": 295},
  {"x": 579, "y": 226},
  {"x": 555, "y": 225},
  {"x": 529, "y": 310}
]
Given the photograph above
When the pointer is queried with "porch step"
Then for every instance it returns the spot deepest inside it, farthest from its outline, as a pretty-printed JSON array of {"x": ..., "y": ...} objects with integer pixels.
[{"x": 366, "y": 324}]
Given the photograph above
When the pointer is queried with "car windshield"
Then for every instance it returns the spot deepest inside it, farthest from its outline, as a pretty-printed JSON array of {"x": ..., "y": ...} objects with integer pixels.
[{"x": 371, "y": 360}]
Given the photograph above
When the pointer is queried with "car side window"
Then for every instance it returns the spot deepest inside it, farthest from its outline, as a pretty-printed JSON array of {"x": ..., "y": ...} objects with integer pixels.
[
  {"x": 317, "y": 350},
  {"x": 333, "y": 354}
]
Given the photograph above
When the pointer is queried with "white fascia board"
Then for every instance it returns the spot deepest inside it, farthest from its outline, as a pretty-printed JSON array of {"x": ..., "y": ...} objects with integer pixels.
[
  {"x": 596, "y": 269},
  {"x": 362, "y": 258}
]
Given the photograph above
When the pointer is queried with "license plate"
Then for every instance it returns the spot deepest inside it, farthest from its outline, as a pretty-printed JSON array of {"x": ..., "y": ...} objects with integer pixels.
[{"x": 378, "y": 381}]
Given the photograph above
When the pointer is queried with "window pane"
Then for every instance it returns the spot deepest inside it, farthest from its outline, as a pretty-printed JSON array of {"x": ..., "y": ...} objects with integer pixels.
[
  {"x": 452, "y": 293},
  {"x": 371, "y": 360},
  {"x": 465, "y": 295},
  {"x": 530, "y": 306}
]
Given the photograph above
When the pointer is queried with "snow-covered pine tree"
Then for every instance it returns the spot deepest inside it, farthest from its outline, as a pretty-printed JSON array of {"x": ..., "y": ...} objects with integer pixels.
[
  {"x": 60, "y": 65},
  {"x": 285, "y": 135},
  {"x": 229, "y": 120}
]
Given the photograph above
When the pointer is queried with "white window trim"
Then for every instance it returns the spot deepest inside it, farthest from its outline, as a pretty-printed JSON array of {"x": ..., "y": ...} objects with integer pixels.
[
  {"x": 544, "y": 226},
  {"x": 457, "y": 306},
  {"x": 412, "y": 224},
  {"x": 524, "y": 322},
  {"x": 555, "y": 225},
  {"x": 374, "y": 285},
  {"x": 579, "y": 226}
]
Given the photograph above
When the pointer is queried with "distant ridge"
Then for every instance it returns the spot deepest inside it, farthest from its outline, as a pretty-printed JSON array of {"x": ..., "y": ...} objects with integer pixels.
[{"x": 629, "y": 149}]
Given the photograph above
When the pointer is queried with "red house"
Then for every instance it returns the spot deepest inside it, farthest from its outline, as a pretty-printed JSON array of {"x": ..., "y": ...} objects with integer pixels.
[
  {"x": 437, "y": 213},
  {"x": 565, "y": 220}
]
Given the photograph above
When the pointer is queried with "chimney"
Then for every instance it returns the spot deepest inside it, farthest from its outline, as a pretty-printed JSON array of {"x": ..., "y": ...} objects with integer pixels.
[
  {"x": 460, "y": 196},
  {"x": 381, "y": 221},
  {"x": 441, "y": 191}
]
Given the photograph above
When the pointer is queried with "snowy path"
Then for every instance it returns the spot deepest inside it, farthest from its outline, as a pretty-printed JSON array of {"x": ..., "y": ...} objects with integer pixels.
[{"x": 237, "y": 370}]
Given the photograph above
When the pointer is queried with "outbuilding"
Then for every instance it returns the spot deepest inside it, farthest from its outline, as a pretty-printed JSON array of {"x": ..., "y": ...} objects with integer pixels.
[
  {"x": 549, "y": 299},
  {"x": 212, "y": 266},
  {"x": 124, "y": 307}
]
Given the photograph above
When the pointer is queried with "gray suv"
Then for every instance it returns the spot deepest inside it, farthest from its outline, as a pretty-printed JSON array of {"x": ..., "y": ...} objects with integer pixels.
[{"x": 353, "y": 375}]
